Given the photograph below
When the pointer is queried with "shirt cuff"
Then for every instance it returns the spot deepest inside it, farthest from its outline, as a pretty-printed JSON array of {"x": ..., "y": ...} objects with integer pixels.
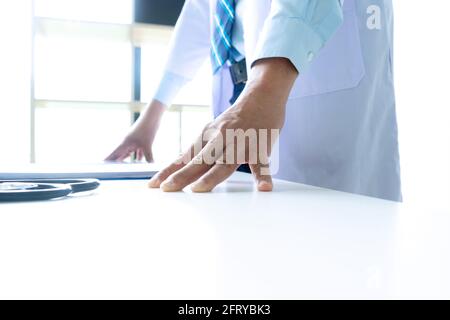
[
  {"x": 168, "y": 88},
  {"x": 292, "y": 38}
]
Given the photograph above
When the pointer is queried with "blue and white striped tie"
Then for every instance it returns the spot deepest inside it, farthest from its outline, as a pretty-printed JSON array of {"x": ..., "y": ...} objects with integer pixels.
[{"x": 221, "y": 48}]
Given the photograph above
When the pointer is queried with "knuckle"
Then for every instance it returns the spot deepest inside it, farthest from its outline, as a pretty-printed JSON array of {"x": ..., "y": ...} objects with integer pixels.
[
  {"x": 165, "y": 172},
  {"x": 224, "y": 125},
  {"x": 208, "y": 126}
]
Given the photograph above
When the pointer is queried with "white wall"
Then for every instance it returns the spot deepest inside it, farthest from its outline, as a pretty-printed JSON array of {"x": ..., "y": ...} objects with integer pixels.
[
  {"x": 15, "y": 74},
  {"x": 422, "y": 66}
]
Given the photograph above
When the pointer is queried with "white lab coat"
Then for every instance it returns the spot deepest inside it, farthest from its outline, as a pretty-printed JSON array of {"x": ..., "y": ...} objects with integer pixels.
[{"x": 340, "y": 130}]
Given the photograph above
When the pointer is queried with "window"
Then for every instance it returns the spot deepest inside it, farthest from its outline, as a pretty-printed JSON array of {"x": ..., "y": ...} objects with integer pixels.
[
  {"x": 110, "y": 11},
  {"x": 82, "y": 69},
  {"x": 15, "y": 68},
  {"x": 84, "y": 98}
]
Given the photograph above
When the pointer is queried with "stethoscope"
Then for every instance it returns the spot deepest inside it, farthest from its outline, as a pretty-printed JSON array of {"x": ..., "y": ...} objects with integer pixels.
[{"x": 35, "y": 190}]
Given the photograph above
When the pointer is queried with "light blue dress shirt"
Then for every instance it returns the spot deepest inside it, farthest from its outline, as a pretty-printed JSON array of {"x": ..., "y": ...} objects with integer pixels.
[
  {"x": 311, "y": 22},
  {"x": 297, "y": 30}
]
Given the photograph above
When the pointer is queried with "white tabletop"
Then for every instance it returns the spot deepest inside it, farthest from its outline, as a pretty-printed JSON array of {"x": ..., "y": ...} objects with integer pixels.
[{"x": 127, "y": 241}]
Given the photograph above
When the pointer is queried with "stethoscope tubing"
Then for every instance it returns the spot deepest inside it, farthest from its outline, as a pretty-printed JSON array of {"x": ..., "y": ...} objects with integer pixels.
[{"x": 47, "y": 189}]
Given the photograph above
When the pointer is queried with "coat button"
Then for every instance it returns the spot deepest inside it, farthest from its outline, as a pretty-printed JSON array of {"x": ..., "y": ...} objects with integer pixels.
[{"x": 310, "y": 56}]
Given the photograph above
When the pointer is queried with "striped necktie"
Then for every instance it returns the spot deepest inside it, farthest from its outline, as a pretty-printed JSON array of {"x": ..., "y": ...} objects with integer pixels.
[{"x": 222, "y": 49}]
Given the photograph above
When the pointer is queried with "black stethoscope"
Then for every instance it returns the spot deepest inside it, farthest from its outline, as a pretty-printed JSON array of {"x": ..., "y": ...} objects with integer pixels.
[{"x": 34, "y": 190}]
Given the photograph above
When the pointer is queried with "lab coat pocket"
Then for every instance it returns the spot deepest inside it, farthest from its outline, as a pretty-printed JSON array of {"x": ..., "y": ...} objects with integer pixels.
[{"x": 339, "y": 65}]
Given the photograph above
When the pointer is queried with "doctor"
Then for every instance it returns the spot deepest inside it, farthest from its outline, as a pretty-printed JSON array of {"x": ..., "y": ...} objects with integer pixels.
[{"x": 320, "y": 70}]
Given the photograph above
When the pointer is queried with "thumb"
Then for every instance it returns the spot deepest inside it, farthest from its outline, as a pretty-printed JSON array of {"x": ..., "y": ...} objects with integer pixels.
[{"x": 262, "y": 177}]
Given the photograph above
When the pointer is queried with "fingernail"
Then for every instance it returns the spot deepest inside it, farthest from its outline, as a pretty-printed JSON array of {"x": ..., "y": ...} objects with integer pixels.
[
  {"x": 199, "y": 187},
  {"x": 154, "y": 183},
  {"x": 168, "y": 186},
  {"x": 265, "y": 186}
]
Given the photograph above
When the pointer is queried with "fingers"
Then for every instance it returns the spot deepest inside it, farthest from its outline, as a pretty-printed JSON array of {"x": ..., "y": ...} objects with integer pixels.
[
  {"x": 120, "y": 154},
  {"x": 157, "y": 179},
  {"x": 115, "y": 154},
  {"x": 184, "y": 177},
  {"x": 124, "y": 151},
  {"x": 144, "y": 153},
  {"x": 139, "y": 155},
  {"x": 262, "y": 176},
  {"x": 217, "y": 174},
  {"x": 196, "y": 167},
  {"x": 161, "y": 176},
  {"x": 148, "y": 155},
  {"x": 206, "y": 169},
  {"x": 124, "y": 155},
  {"x": 195, "y": 162}
]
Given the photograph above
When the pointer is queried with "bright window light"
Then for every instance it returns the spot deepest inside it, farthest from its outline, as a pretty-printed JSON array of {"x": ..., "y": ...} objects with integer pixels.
[
  {"x": 113, "y": 11},
  {"x": 80, "y": 69},
  {"x": 78, "y": 134},
  {"x": 15, "y": 76}
]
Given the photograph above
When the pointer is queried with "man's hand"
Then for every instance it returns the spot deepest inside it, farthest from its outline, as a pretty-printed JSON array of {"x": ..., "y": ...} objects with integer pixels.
[
  {"x": 140, "y": 139},
  {"x": 213, "y": 157}
]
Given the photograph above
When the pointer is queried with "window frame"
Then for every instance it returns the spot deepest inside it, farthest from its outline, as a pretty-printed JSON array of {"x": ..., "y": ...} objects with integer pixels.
[{"x": 136, "y": 34}]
